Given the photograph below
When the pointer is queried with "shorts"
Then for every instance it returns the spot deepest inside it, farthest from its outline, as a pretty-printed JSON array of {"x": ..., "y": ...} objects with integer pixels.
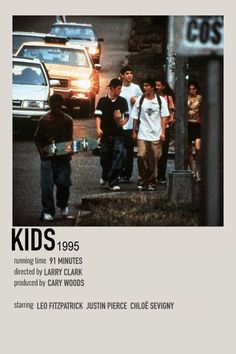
[{"x": 194, "y": 131}]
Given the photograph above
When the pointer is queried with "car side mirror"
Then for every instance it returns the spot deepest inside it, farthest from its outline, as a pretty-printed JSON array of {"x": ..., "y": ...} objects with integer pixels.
[
  {"x": 54, "y": 82},
  {"x": 97, "y": 67}
]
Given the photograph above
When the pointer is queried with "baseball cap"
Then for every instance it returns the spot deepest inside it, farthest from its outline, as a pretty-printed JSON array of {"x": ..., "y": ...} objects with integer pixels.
[{"x": 115, "y": 82}]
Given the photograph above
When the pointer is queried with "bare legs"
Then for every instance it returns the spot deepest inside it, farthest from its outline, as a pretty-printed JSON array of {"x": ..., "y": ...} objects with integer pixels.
[{"x": 196, "y": 168}]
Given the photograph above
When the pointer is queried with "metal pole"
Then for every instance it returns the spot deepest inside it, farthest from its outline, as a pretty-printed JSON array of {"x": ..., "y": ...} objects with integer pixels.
[
  {"x": 181, "y": 134},
  {"x": 181, "y": 180},
  {"x": 212, "y": 149},
  {"x": 170, "y": 60}
]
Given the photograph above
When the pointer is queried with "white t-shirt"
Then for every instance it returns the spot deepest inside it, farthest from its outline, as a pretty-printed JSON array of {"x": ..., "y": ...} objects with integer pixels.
[
  {"x": 150, "y": 120},
  {"x": 127, "y": 92}
]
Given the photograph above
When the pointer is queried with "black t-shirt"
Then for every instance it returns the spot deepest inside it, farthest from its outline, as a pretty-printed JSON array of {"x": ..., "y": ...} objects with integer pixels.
[
  {"x": 60, "y": 129},
  {"x": 105, "y": 111}
]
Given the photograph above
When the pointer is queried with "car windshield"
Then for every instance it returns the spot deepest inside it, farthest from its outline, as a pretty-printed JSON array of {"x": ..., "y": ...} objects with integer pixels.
[
  {"x": 26, "y": 74},
  {"x": 56, "y": 55},
  {"x": 18, "y": 40},
  {"x": 75, "y": 32}
]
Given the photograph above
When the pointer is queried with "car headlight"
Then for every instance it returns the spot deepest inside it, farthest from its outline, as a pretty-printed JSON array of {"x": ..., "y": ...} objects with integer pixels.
[
  {"x": 36, "y": 104},
  {"x": 83, "y": 84},
  {"x": 93, "y": 50}
]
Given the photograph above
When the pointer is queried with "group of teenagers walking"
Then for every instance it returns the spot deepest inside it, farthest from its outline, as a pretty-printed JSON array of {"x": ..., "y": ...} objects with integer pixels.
[{"x": 124, "y": 116}]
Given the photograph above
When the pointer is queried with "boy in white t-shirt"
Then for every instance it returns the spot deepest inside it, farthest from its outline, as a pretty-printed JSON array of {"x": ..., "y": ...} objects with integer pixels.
[
  {"x": 150, "y": 122},
  {"x": 130, "y": 92}
]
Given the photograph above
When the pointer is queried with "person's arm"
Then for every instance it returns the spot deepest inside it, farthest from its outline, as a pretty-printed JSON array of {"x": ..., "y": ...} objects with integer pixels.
[
  {"x": 164, "y": 118},
  {"x": 134, "y": 131},
  {"x": 125, "y": 120},
  {"x": 37, "y": 139},
  {"x": 40, "y": 149},
  {"x": 164, "y": 121},
  {"x": 171, "y": 107},
  {"x": 98, "y": 127},
  {"x": 125, "y": 111},
  {"x": 200, "y": 109},
  {"x": 134, "y": 115},
  {"x": 138, "y": 93},
  {"x": 98, "y": 119}
]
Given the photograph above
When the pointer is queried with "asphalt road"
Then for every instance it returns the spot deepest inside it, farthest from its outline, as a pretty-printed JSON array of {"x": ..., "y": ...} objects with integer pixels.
[{"x": 85, "y": 166}]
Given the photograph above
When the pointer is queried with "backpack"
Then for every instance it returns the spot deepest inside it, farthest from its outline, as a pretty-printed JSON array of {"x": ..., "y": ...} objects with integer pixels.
[{"x": 140, "y": 106}]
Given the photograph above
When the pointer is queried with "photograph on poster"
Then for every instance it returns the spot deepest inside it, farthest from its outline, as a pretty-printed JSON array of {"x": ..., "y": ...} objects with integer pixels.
[{"x": 114, "y": 120}]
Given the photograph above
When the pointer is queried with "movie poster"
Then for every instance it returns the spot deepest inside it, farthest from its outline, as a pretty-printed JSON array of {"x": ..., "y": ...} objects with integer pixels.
[{"x": 107, "y": 282}]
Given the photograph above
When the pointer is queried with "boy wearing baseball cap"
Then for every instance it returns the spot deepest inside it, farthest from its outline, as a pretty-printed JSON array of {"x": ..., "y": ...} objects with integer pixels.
[{"x": 111, "y": 115}]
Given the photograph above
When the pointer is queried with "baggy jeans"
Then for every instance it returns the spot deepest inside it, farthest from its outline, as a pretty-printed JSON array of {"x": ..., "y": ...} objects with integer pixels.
[
  {"x": 55, "y": 172},
  {"x": 148, "y": 154},
  {"x": 111, "y": 159}
]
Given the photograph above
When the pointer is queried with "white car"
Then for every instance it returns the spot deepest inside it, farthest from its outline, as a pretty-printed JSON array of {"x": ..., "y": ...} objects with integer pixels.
[{"x": 30, "y": 91}]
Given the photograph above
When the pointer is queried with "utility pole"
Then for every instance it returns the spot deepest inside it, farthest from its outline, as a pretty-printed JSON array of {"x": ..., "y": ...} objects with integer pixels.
[
  {"x": 200, "y": 36},
  {"x": 181, "y": 188},
  {"x": 171, "y": 52},
  {"x": 212, "y": 138}
]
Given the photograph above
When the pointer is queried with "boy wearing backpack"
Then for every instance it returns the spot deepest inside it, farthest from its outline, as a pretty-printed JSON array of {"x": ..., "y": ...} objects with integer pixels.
[{"x": 150, "y": 114}]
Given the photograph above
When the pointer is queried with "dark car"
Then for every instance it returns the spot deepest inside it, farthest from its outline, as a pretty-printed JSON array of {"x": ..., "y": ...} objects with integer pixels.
[{"x": 80, "y": 33}]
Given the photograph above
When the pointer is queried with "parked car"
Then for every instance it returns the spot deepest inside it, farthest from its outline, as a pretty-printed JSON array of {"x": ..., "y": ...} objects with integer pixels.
[
  {"x": 18, "y": 38},
  {"x": 72, "y": 66},
  {"x": 30, "y": 92},
  {"x": 80, "y": 33}
]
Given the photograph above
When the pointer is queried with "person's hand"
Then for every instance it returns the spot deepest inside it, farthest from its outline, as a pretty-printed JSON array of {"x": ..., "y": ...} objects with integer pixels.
[
  {"x": 117, "y": 114},
  {"x": 171, "y": 120},
  {"x": 133, "y": 100},
  {"x": 163, "y": 136},
  {"x": 99, "y": 133},
  {"x": 122, "y": 122},
  {"x": 43, "y": 152}
]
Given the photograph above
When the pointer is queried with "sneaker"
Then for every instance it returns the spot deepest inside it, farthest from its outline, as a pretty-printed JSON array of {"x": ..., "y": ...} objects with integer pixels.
[
  {"x": 140, "y": 184},
  {"x": 162, "y": 182},
  {"x": 64, "y": 211},
  {"x": 114, "y": 188},
  {"x": 102, "y": 182},
  {"x": 197, "y": 177},
  {"x": 151, "y": 188},
  {"x": 47, "y": 217},
  {"x": 125, "y": 180}
]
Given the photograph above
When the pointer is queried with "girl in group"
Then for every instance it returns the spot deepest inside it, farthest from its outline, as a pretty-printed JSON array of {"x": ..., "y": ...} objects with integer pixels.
[
  {"x": 164, "y": 90},
  {"x": 194, "y": 127}
]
